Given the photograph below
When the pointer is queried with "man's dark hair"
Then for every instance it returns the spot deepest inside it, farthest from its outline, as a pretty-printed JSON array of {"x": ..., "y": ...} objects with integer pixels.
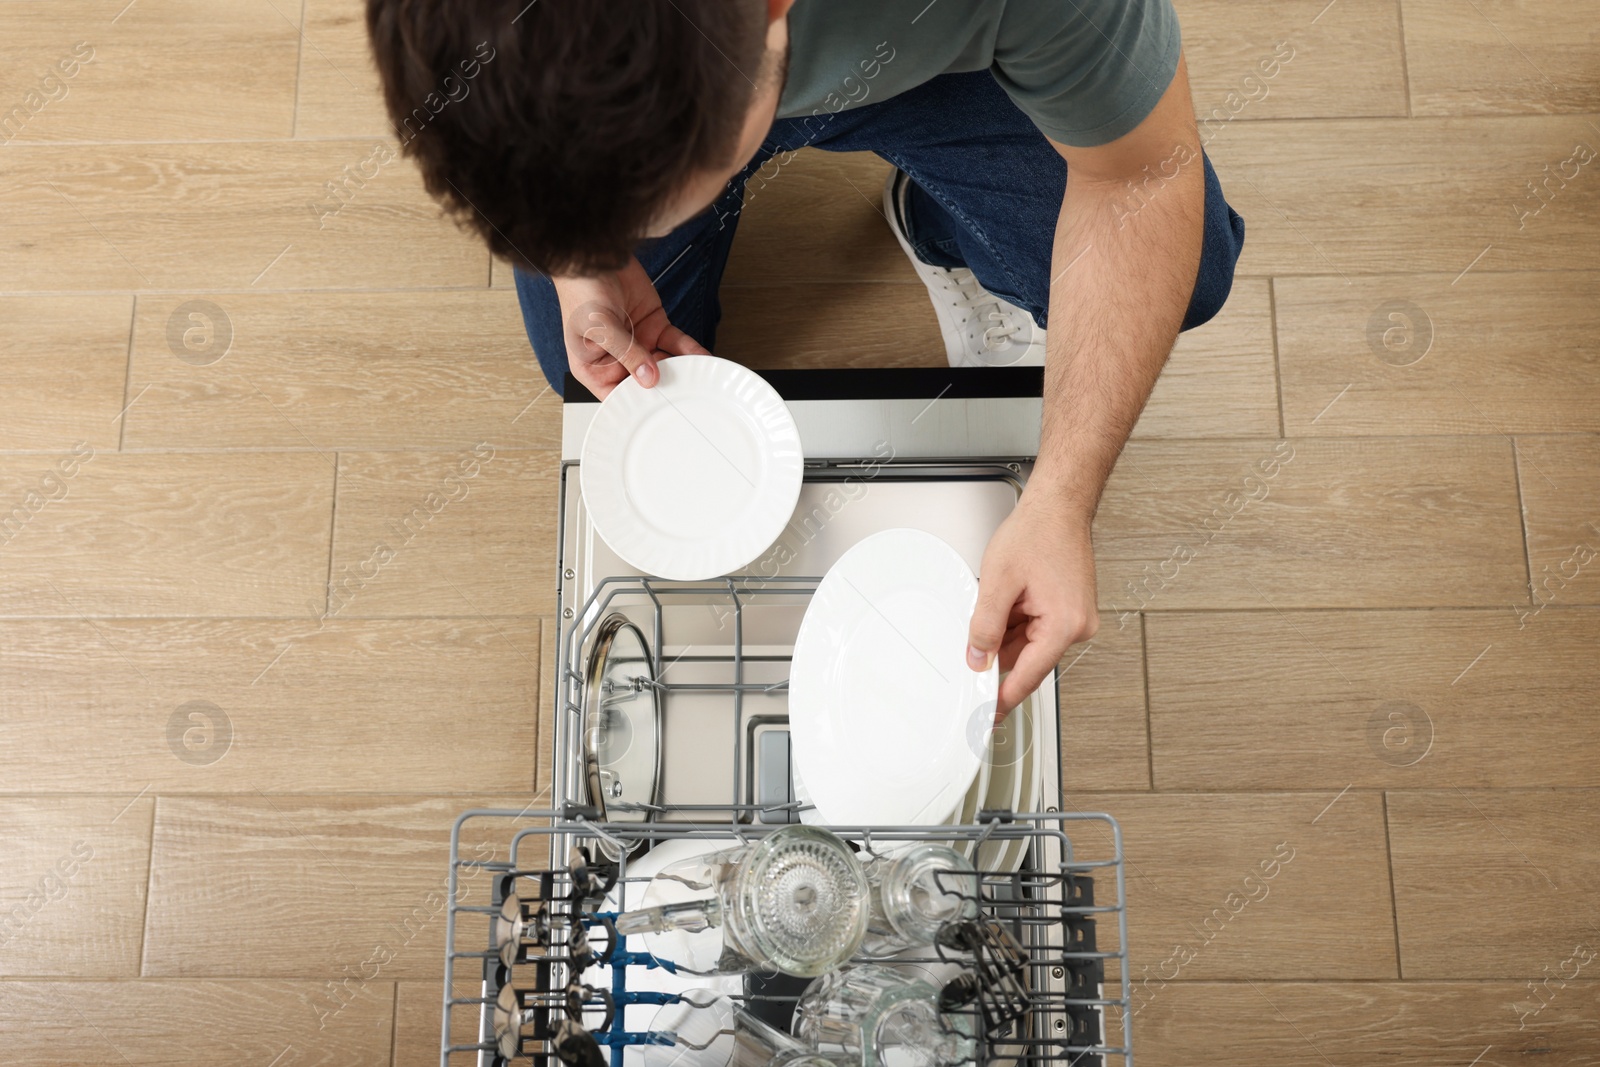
[{"x": 559, "y": 129}]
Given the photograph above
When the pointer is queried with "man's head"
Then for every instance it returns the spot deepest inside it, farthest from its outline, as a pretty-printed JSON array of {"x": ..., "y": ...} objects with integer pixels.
[{"x": 564, "y": 131}]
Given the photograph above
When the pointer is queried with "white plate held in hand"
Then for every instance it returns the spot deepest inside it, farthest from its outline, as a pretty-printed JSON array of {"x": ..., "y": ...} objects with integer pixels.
[
  {"x": 695, "y": 477},
  {"x": 888, "y": 723}
]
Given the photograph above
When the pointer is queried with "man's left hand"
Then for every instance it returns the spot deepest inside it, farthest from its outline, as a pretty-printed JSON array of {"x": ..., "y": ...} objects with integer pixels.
[{"x": 1036, "y": 594}]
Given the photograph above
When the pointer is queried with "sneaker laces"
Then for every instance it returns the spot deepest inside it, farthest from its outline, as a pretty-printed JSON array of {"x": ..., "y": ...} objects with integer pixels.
[
  {"x": 990, "y": 323},
  {"x": 1008, "y": 326},
  {"x": 977, "y": 301}
]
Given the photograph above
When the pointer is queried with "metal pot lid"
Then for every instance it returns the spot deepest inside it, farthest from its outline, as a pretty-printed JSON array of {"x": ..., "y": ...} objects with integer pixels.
[{"x": 622, "y": 723}]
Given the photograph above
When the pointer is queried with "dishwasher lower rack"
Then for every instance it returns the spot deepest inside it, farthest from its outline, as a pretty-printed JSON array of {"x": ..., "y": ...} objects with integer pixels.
[{"x": 1075, "y": 943}]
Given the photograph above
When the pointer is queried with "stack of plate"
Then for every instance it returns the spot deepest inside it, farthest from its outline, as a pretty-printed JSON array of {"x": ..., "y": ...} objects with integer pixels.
[{"x": 1009, "y": 781}]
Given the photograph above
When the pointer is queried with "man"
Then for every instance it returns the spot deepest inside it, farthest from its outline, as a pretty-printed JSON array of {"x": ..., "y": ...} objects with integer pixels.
[{"x": 1048, "y": 170}]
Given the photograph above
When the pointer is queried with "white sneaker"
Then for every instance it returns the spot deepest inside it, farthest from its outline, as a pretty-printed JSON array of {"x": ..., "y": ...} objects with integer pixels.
[{"x": 980, "y": 329}]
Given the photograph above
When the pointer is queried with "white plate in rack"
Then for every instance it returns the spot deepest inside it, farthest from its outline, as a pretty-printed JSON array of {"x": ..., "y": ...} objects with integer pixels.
[
  {"x": 887, "y": 723},
  {"x": 967, "y": 813},
  {"x": 1012, "y": 853},
  {"x": 696, "y": 477},
  {"x": 961, "y": 815},
  {"x": 1012, "y": 741}
]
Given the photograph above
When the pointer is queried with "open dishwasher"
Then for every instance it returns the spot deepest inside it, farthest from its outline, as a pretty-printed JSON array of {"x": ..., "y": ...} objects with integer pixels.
[{"x": 670, "y": 726}]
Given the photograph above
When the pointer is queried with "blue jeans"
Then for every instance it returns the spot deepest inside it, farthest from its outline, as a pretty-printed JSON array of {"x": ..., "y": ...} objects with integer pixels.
[{"x": 987, "y": 189}]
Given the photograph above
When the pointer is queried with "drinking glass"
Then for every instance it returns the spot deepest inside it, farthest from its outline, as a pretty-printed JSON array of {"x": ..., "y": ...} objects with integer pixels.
[
  {"x": 794, "y": 901},
  {"x": 879, "y": 1017},
  {"x": 914, "y": 894}
]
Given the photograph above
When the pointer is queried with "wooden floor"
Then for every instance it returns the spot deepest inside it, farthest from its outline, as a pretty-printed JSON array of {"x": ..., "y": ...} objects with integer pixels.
[{"x": 1381, "y": 661}]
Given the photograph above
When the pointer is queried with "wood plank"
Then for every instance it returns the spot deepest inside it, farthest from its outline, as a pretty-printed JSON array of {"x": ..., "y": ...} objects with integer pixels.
[
  {"x": 1220, "y": 380},
  {"x": 339, "y": 94},
  {"x": 1270, "y": 59},
  {"x": 1496, "y": 883},
  {"x": 1316, "y": 905},
  {"x": 1375, "y": 699},
  {"x": 1357, "y": 522},
  {"x": 501, "y": 274},
  {"x": 1387, "y": 196},
  {"x": 72, "y": 890},
  {"x": 807, "y": 326},
  {"x": 1406, "y": 1024},
  {"x": 336, "y": 886},
  {"x": 235, "y": 215},
  {"x": 1490, "y": 353},
  {"x": 341, "y": 371},
  {"x": 164, "y": 534},
  {"x": 1560, "y": 479},
  {"x": 1502, "y": 57},
  {"x": 462, "y": 534},
  {"x": 64, "y": 360},
  {"x": 144, "y": 74},
  {"x": 191, "y": 1024},
  {"x": 419, "y": 1007},
  {"x": 229, "y": 706},
  {"x": 817, "y": 219},
  {"x": 1103, "y": 740}
]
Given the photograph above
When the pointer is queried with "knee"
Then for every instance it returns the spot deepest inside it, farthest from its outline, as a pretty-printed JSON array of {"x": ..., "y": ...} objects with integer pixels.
[
  {"x": 1219, "y": 253},
  {"x": 541, "y": 319}
]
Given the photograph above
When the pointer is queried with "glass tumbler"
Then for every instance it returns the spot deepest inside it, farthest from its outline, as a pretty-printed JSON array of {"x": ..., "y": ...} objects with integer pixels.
[
  {"x": 879, "y": 1017},
  {"x": 914, "y": 894},
  {"x": 794, "y": 901}
]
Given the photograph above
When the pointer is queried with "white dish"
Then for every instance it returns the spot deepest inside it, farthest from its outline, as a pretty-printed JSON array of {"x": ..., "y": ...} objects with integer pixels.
[
  {"x": 696, "y": 477},
  {"x": 1012, "y": 740},
  {"x": 1031, "y": 783},
  {"x": 887, "y": 723},
  {"x": 967, "y": 813},
  {"x": 960, "y": 815}
]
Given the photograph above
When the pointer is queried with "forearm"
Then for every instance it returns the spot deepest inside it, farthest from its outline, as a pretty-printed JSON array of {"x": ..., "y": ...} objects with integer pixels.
[{"x": 1124, "y": 268}]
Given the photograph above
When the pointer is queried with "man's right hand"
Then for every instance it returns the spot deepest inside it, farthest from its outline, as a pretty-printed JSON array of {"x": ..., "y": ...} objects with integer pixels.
[{"x": 615, "y": 326}]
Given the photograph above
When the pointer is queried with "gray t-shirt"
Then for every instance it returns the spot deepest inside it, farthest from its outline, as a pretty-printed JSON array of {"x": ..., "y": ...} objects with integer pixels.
[{"x": 1085, "y": 71}]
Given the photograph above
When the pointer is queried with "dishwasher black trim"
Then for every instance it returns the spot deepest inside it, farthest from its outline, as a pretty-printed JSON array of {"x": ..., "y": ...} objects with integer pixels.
[{"x": 884, "y": 383}]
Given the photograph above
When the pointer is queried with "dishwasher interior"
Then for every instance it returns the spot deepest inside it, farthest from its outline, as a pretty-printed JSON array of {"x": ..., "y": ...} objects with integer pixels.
[{"x": 691, "y": 678}]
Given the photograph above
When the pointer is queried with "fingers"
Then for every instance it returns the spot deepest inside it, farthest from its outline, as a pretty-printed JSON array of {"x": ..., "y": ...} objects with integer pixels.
[
  {"x": 1016, "y": 640},
  {"x": 674, "y": 342},
  {"x": 593, "y": 329},
  {"x": 996, "y": 594},
  {"x": 1034, "y": 662},
  {"x": 639, "y": 362},
  {"x": 603, "y": 339},
  {"x": 1030, "y": 657}
]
